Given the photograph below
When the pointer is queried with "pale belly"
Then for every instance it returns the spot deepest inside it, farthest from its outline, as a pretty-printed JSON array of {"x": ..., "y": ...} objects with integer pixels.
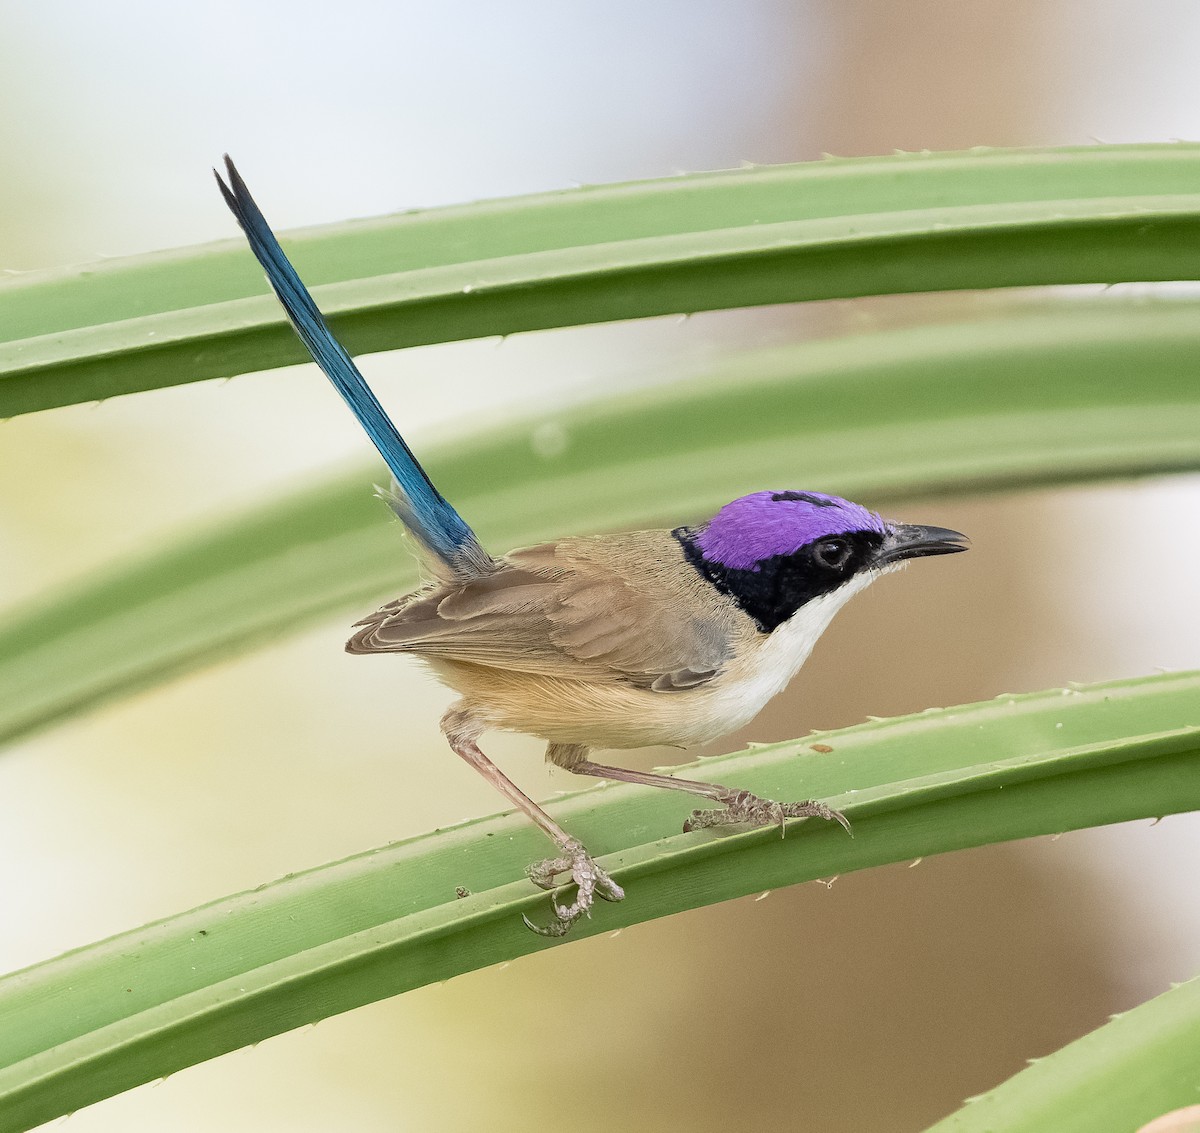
[
  {"x": 616, "y": 714},
  {"x": 604, "y": 715}
]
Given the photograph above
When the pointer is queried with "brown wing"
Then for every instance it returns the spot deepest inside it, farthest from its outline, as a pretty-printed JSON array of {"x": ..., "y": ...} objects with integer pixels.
[{"x": 618, "y": 607}]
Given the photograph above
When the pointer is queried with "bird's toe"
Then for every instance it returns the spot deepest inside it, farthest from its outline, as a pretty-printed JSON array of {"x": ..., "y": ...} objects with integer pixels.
[{"x": 590, "y": 882}]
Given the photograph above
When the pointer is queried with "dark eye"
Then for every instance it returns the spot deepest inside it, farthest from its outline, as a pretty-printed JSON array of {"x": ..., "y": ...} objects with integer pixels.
[{"x": 832, "y": 554}]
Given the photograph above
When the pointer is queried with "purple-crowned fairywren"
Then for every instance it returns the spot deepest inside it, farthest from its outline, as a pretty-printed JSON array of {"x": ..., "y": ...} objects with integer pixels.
[{"x": 670, "y": 637}]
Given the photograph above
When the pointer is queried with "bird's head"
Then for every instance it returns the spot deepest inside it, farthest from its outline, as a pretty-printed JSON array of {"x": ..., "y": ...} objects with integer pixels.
[{"x": 775, "y": 552}]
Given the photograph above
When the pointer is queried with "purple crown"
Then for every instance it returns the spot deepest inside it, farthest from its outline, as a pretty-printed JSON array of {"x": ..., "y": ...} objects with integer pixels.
[{"x": 765, "y": 524}]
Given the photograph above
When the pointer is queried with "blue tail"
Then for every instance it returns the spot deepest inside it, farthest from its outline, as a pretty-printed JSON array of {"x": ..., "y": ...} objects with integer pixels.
[{"x": 436, "y": 525}]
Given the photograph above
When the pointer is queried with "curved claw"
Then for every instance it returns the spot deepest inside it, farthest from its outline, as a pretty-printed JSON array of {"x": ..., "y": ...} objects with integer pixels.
[
  {"x": 814, "y": 809},
  {"x": 553, "y": 929}
]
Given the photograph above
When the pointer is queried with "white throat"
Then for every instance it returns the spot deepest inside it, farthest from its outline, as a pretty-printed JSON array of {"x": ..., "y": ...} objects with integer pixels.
[
  {"x": 776, "y": 661},
  {"x": 757, "y": 674},
  {"x": 790, "y": 644}
]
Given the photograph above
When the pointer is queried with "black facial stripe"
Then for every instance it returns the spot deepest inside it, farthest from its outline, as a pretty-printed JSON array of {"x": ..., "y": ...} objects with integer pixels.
[
  {"x": 783, "y": 583},
  {"x": 802, "y": 497}
]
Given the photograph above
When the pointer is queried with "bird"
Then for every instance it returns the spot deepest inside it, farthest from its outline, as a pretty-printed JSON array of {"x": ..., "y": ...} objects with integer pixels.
[{"x": 675, "y": 636}]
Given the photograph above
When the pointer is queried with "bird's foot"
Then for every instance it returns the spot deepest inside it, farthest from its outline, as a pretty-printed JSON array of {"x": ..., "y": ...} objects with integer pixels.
[
  {"x": 743, "y": 807},
  {"x": 590, "y": 882}
]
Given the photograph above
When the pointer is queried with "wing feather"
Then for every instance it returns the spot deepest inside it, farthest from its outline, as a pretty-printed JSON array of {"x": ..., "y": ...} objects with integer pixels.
[{"x": 624, "y": 608}]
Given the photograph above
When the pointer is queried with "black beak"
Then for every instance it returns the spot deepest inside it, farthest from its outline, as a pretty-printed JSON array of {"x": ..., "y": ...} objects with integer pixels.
[{"x": 911, "y": 541}]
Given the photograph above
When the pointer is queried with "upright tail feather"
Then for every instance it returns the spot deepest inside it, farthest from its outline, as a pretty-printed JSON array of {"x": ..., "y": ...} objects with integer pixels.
[{"x": 440, "y": 530}]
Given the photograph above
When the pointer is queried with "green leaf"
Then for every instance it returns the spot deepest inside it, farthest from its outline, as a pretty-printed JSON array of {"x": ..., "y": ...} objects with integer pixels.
[
  {"x": 1135, "y": 1068},
  {"x": 105, "y": 1018},
  {"x": 1026, "y": 397},
  {"x": 909, "y": 222}
]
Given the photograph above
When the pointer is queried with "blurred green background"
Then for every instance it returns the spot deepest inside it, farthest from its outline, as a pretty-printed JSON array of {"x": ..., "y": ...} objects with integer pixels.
[{"x": 873, "y": 1003}]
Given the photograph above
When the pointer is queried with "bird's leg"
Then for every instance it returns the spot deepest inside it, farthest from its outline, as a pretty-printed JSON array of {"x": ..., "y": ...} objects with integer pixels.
[
  {"x": 738, "y": 806},
  {"x": 462, "y": 731}
]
